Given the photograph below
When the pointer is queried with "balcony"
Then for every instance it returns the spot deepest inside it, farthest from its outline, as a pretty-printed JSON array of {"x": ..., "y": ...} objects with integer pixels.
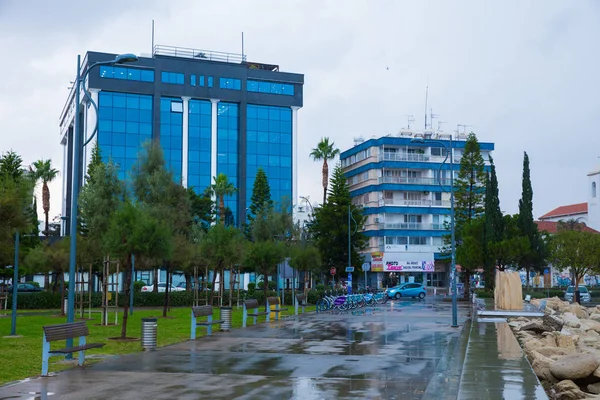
[
  {"x": 424, "y": 202},
  {"x": 411, "y": 226},
  {"x": 403, "y": 157},
  {"x": 413, "y": 181}
]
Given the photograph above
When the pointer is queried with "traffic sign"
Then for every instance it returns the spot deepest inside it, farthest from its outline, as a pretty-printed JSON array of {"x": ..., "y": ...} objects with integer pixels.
[
  {"x": 349, "y": 269},
  {"x": 546, "y": 271},
  {"x": 332, "y": 270},
  {"x": 366, "y": 267}
]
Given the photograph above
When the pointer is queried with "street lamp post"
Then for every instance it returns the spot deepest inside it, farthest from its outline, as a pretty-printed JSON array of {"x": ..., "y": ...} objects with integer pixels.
[
  {"x": 452, "y": 227},
  {"x": 77, "y": 150},
  {"x": 350, "y": 217},
  {"x": 13, "y": 325}
]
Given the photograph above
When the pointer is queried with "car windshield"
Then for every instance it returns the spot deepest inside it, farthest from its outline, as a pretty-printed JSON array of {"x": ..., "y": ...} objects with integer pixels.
[{"x": 582, "y": 289}]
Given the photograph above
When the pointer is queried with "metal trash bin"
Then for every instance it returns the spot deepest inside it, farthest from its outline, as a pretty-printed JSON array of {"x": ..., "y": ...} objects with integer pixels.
[
  {"x": 226, "y": 318},
  {"x": 149, "y": 330}
]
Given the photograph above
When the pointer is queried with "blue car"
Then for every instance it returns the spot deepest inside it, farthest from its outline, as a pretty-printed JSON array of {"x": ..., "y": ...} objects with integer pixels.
[{"x": 413, "y": 290}]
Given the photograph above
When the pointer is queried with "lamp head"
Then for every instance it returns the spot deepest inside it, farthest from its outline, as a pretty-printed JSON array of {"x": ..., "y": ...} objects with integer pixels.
[
  {"x": 417, "y": 140},
  {"x": 125, "y": 58}
]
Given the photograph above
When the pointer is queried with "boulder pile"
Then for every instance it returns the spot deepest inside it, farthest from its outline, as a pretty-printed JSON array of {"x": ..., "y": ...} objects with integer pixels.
[{"x": 563, "y": 348}]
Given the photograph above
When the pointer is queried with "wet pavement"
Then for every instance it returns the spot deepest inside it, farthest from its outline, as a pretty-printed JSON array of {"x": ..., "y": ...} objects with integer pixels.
[
  {"x": 495, "y": 366},
  {"x": 401, "y": 350},
  {"x": 387, "y": 352}
]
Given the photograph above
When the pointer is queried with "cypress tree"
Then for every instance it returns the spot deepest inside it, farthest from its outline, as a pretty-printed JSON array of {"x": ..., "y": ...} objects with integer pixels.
[
  {"x": 525, "y": 221},
  {"x": 261, "y": 195},
  {"x": 494, "y": 223}
]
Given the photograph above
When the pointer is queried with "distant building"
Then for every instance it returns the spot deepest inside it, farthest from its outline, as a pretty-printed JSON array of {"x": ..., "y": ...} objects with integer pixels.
[{"x": 397, "y": 181}]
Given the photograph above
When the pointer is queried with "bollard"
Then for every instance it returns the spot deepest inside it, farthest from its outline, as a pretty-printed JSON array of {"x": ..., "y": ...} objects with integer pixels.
[
  {"x": 149, "y": 333},
  {"x": 226, "y": 318}
]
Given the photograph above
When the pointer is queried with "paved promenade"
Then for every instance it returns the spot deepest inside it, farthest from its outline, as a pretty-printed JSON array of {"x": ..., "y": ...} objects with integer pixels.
[{"x": 401, "y": 350}]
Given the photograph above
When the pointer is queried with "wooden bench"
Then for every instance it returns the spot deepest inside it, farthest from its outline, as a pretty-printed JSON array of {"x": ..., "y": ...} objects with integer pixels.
[
  {"x": 71, "y": 330},
  {"x": 199, "y": 312},
  {"x": 252, "y": 304},
  {"x": 301, "y": 302},
  {"x": 275, "y": 301}
]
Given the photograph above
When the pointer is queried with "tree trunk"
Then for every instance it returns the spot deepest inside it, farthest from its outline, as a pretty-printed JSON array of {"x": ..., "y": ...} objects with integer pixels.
[
  {"x": 212, "y": 289},
  {"x": 231, "y": 283},
  {"x": 325, "y": 179},
  {"x": 222, "y": 209},
  {"x": 47, "y": 281},
  {"x": 467, "y": 285},
  {"x": 46, "y": 205},
  {"x": 61, "y": 278},
  {"x": 266, "y": 289},
  {"x": 527, "y": 268},
  {"x": 167, "y": 290},
  {"x": 155, "y": 283},
  {"x": 126, "y": 292},
  {"x": 188, "y": 282}
]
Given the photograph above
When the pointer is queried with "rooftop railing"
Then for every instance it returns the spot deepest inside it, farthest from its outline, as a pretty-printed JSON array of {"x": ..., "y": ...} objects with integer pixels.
[{"x": 198, "y": 54}]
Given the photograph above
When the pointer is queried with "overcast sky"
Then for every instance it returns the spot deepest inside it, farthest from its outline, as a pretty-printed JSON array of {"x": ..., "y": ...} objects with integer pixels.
[{"x": 523, "y": 74}]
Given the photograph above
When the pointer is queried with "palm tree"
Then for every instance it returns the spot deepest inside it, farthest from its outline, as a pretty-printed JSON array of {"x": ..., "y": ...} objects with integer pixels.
[
  {"x": 221, "y": 187},
  {"x": 325, "y": 151},
  {"x": 43, "y": 170}
]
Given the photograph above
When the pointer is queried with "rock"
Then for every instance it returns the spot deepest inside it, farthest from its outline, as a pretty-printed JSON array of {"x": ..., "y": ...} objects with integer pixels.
[
  {"x": 579, "y": 311},
  {"x": 596, "y": 373},
  {"x": 594, "y": 388},
  {"x": 590, "y": 324},
  {"x": 574, "y": 366},
  {"x": 595, "y": 317},
  {"x": 565, "y": 342},
  {"x": 535, "y": 326},
  {"x": 552, "y": 323},
  {"x": 571, "y": 320},
  {"x": 557, "y": 304},
  {"x": 549, "y": 339},
  {"x": 541, "y": 366},
  {"x": 532, "y": 344},
  {"x": 590, "y": 337},
  {"x": 552, "y": 352},
  {"x": 568, "y": 390}
]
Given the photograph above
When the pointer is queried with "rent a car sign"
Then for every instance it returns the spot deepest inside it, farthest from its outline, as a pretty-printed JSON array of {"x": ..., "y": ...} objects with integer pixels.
[{"x": 408, "y": 266}]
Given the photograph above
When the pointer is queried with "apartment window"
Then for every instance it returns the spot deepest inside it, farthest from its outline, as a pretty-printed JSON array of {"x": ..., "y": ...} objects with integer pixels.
[
  {"x": 388, "y": 195},
  {"x": 366, "y": 198},
  {"x": 269, "y": 87},
  {"x": 201, "y": 80},
  {"x": 416, "y": 219},
  {"x": 210, "y": 81},
  {"x": 230, "y": 83},
  {"x": 174, "y": 78},
  {"x": 437, "y": 241},
  {"x": 418, "y": 241},
  {"x": 129, "y": 74},
  {"x": 193, "y": 80},
  {"x": 437, "y": 196},
  {"x": 593, "y": 189},
  {"x": 438, "y": 151}
]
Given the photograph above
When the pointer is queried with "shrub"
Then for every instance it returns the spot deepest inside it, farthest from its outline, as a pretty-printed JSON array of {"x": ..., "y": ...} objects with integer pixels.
[
  {"x": 137, "y": 286},
  {"x": 251, "y": 286}
]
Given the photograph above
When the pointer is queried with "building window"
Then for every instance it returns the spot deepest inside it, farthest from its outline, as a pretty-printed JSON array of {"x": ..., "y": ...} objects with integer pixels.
[
  {"x": 201, "y": 80},
  {"x": 210, "y": 81},
  {"x": 438, "y": 151},
  {"x": 171, "y": 134},
  {"x": 593, "y": 189},
  {"x": 270, "y": 87},
  {"x": 125, "y": 122},
  {"x": 230, "y": 83},
  {"x": 129, "y": 74},
  {"x": 227, "y": 147},
  {"x": 193, "y": 80},
  {"x": 199, "y": 153},
  {"x": 418, "y": 241},
  {"x": 173, "y": 78},
  {"x": 269, "y": 146}
]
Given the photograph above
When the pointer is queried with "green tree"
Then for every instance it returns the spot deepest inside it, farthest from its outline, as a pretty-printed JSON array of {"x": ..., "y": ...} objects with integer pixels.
[
  {"x": 134, "y": 231},
  {"x": 469, "y": 195},
  {"x": 526, "y": 224},
  {"x": 329, "y": 227},
  {"x": 577, "y": 250},
  {"x": 201, "y": 208},
  {"x": 508, "y": 250},
  {"x": 470, "y": 254},
  {"x": 261, "y": 195},
  {"x": 221, "y": 246},
  {"x": 11, "y": 165},
  {"x": 43, "y": 171},
  {"x": 222, "y": 187},
  {"x": 494, "y": 224},
  {"x": 325, "y": 151},
  {"x": 305, "y": 257}
]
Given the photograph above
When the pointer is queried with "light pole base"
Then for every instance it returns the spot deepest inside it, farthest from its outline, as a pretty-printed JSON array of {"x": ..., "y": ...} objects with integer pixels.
[{"x": 455, "y": 326}]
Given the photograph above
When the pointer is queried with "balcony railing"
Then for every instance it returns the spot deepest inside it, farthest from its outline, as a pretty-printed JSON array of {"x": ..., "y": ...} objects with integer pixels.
[
  {"x": 182, "y": 52},
  {"x": 424, "y": 202},
  {"x": 414, "y": 181},
  {"x": 411, "y": 225},
  {"x": 403, "y": 157}
]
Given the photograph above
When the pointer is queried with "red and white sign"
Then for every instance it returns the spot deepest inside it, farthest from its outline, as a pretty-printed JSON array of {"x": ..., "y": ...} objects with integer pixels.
[{"x": 332, "y": 271}]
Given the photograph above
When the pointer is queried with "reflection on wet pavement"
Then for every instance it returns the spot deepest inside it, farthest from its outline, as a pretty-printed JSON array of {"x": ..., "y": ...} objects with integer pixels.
[{"x": 394, "y": 351}]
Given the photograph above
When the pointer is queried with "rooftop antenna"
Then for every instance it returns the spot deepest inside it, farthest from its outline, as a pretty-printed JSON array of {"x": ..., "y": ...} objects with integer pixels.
[
  {"x": 410, "y": 118},
  {"x": 440, "y": 125},
  {"x": 432, "y": 116},
  {"x": 152, "y": 50},
  {"x": 243, "y": 58},
  {"x": 426, "y": 95},
  {"x": 458, "y": 126}
]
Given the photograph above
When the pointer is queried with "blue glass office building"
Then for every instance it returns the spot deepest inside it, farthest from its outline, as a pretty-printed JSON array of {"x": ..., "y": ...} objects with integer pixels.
[{"x": 211, "y": 112}]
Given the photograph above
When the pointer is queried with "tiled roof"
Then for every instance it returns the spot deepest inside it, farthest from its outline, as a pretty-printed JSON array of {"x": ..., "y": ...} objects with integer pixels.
[
  {"x": 552, "y": 227},
  {"x": 563, "y": 211}
]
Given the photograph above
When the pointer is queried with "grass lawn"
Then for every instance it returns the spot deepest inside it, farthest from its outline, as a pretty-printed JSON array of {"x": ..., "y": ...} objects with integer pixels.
[{"x": 22, "y": 357}]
